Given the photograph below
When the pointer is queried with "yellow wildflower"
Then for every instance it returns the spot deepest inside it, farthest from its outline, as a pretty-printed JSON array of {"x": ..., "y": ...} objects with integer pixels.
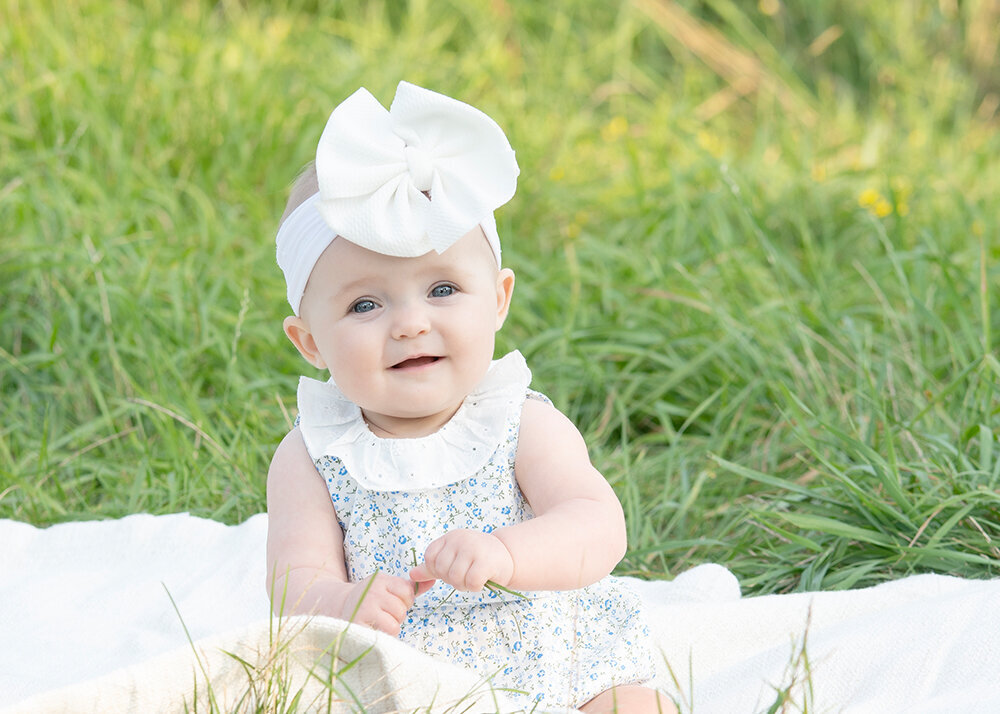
[
  {"x": 868, "y": 198},
  {"x": 615, "y": 129},
  {"x": 710, "y": 143},
  {"x": 882, "y": 208}
]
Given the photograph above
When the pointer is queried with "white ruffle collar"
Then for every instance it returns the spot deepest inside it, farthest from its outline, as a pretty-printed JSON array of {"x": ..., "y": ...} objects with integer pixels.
[{"x": 332, "y": 425}]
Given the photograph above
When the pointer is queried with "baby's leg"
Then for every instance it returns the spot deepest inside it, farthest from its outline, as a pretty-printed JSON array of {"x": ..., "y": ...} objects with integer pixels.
[{"x": 629, "y": 699}]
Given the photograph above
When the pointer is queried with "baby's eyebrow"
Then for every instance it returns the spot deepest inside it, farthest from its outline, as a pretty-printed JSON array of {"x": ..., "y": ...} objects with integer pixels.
[
  {"x": 446, "y": 271},
  {"x": 358, "y": 285}
]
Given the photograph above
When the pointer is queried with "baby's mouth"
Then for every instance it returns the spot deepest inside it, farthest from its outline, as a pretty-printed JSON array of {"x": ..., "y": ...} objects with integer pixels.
[{"x": 415, "y": 362}]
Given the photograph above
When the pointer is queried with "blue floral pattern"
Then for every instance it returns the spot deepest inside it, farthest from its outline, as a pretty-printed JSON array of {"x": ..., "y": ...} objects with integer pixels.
[{"x": 556, "y": 649}]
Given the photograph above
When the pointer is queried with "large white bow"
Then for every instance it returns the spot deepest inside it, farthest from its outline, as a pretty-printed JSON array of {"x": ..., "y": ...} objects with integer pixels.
[{"x": 376, "y": 169}]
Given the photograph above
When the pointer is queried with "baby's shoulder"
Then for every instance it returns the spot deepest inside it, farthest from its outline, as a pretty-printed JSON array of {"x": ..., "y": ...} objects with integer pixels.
[
  {"x": 544, "y": 428},
  {"x": 290, "y": 457}
]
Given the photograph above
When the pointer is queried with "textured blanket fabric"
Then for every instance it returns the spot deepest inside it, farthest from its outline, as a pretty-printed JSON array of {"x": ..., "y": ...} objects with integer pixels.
[{"x": 152, "y": 613}]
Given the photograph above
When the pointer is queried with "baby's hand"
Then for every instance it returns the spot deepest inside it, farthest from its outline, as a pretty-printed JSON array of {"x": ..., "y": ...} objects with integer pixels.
[
  {"x": 465, "y": 559},
  {"x": 384, "y": 605}
]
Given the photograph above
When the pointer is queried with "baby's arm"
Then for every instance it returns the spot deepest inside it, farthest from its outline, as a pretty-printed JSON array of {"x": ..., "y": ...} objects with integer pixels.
[
  {"x": 305, "y": 551},
  {"x": 578, "y": 533},
  {"x": 576, "y": 537}
]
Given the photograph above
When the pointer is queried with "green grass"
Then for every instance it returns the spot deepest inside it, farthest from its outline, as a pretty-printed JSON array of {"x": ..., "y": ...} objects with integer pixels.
[{"x": 756, "y": 260}]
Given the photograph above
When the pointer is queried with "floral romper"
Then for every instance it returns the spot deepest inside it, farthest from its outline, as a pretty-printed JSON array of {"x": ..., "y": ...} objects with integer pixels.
[{"x": 393, "y": 497}]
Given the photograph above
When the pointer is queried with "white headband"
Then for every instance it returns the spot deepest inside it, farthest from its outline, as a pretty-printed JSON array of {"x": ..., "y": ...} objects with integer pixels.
[{"x": 375, "y": 169}]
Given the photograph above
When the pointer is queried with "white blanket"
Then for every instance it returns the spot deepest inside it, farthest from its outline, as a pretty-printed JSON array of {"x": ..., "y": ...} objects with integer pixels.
[{"x": 87, "y": 624}]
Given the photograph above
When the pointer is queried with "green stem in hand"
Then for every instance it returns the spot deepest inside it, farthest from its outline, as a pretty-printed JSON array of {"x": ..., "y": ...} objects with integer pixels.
[
  {"x": 496, "y": 589},
  {"x": 416, "y": 585},
  {"x": 493, "y": 587}
]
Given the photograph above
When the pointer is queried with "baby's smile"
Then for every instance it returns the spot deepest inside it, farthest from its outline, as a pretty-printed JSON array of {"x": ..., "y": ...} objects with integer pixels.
[{"x": 414, "y": 362}]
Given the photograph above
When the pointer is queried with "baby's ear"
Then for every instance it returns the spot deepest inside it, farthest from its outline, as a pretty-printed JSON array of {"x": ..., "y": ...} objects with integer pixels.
[
  {"x": 298, "y": 332},
  {"x": 505, "y": 290}
]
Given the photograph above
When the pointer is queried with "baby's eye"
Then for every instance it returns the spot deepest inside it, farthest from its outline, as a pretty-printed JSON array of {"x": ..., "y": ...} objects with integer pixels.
[
  {"x": 363, "y": 306},
  {"x": 442, "y": 290}
]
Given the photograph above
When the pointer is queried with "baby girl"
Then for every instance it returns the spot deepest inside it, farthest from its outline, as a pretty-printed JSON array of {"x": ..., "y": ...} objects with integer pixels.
[{"x": 426, "y": 491}]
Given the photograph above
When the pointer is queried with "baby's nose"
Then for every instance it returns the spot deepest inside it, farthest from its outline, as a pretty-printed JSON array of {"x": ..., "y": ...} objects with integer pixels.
[{"x": 410, "y": 321}]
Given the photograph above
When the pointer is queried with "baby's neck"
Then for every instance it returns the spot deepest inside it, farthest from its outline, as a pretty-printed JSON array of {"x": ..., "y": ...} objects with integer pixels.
[{"x": 391, "y": 427}]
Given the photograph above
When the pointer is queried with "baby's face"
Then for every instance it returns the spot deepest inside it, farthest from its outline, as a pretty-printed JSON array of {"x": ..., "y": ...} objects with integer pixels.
[{"x": 407, "y": 339}]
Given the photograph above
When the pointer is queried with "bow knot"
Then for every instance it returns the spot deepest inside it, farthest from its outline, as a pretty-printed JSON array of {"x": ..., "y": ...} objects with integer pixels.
[
  {"x": 421, "y": 167},
  {"x": 376, "y": 166}
]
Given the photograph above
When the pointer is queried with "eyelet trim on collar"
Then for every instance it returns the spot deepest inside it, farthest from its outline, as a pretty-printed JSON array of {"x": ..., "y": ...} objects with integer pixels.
[{"x": 332, "y": 425}]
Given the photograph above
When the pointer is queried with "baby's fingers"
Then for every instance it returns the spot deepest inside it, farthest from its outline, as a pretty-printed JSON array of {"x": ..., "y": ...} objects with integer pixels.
[
  {"x": 440, "y": 557},
  {"x": 381, "y": 621},
  {"x": 433, "y": 552},
  {"x": 421, "y": 573},
  {"x": 401, "y": 589},
  {"x": 422, "y": 579},
  {"x": 382, "y": 602},
  {"x": 476, "y": 575},
  {"x": 421, "y": 584},
  {"x": 455, "y": 569}
]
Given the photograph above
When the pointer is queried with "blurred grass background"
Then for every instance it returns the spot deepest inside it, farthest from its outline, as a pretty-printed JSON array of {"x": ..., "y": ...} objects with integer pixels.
[{"x": 756, "y": 244}]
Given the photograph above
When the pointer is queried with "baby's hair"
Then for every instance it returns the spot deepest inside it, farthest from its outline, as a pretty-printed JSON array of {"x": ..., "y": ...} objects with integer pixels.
[{"x": 304, "y": 186}]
